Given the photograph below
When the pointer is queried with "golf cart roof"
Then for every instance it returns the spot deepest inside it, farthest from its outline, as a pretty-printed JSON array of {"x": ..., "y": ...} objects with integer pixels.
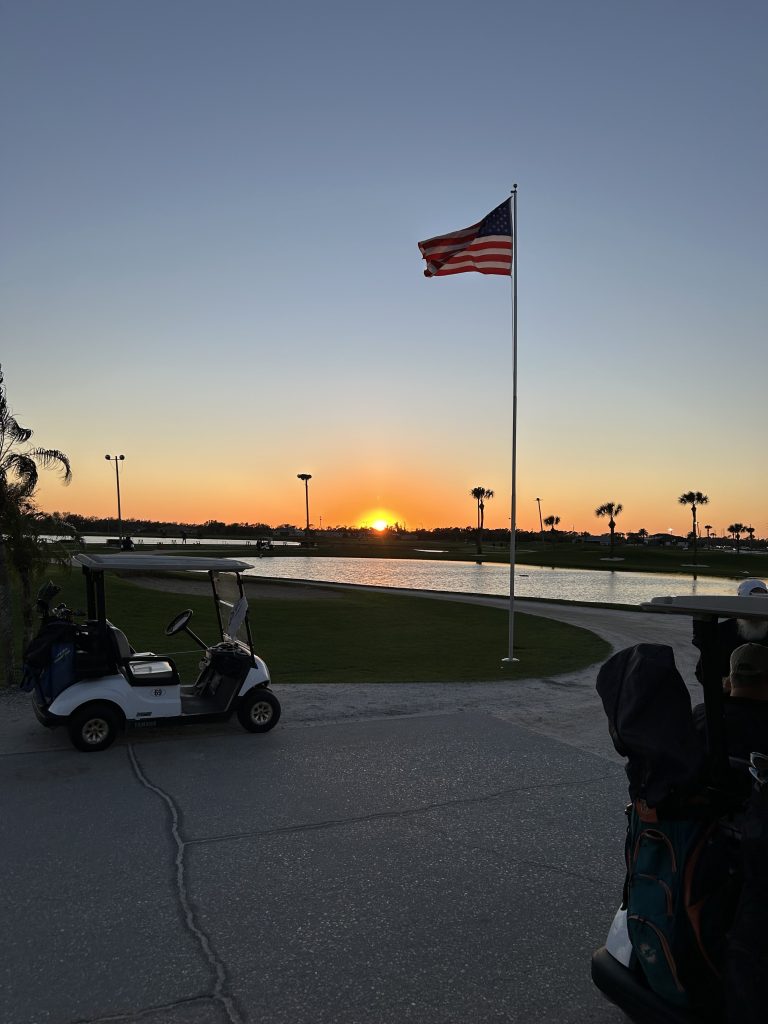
[
  {"x": 130, "y": 562},
  {"x": 710, "y": 606}
]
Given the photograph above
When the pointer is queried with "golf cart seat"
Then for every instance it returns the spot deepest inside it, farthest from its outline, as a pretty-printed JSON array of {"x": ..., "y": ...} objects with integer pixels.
[
  {"x": 140, "y": 669},
  {"x": 119, "y": 641}
]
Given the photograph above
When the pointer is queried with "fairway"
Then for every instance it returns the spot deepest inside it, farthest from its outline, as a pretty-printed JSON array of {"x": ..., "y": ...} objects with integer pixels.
[{"x": 332, "y": 636}]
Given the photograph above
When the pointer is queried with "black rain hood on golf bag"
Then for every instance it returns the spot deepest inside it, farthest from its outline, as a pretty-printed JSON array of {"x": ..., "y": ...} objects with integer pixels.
[{"x": 650, "y": 722}]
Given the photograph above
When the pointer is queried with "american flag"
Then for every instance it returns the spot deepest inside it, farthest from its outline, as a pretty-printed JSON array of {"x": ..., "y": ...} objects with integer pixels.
[{"x": 486, "y": 247}]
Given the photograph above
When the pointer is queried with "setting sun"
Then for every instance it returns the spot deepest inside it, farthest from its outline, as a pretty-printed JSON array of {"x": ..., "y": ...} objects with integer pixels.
[{"x": 378, "y": 519}]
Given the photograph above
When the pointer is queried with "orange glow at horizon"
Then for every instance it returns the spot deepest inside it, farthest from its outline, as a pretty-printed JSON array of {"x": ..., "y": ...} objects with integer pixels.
[
  {"x": 193, "y": 490},
  {"x": 378, "y": 519}
]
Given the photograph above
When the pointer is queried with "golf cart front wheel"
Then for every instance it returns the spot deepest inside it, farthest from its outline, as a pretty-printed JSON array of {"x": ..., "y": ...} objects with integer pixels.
[
  {"x": 94, "y": 727},
  {"x": 258, "y": 710}
]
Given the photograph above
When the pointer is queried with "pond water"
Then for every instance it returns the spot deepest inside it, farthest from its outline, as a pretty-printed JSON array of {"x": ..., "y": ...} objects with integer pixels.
[{"x": 584, "y": 585}]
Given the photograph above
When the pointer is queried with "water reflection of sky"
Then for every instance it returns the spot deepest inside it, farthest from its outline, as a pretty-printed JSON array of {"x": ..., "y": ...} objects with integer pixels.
[{"x": 586, "y": 585}]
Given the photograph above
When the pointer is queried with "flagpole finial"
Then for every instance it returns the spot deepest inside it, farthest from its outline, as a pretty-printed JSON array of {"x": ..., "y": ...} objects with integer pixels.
[{"x": 514, "y": 189}]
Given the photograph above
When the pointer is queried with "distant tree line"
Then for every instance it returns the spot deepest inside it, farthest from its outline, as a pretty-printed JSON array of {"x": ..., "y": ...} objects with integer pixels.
[{"x": 84, "y": 525}]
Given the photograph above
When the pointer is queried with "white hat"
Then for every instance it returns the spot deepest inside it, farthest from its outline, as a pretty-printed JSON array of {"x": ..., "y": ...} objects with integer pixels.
[
  {"x": 751, "y": 586},
  {"x": 749, "y": 663}
]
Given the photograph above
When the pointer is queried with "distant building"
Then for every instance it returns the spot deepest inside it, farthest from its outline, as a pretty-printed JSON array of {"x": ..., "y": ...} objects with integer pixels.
[{"x": 666, "y": 539}]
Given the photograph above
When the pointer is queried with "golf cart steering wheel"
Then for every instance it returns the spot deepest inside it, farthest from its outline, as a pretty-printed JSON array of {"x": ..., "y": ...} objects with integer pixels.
[{"x": 180, "y": 622}]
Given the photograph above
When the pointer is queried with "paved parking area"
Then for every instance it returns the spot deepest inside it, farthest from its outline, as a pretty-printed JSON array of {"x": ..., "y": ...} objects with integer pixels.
[
  {"x": 427, "y": 853},
  {"x": 441, "y": 867}
]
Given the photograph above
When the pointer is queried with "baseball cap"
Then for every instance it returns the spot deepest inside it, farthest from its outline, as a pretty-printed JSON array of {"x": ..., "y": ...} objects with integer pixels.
[
  {"x": 749, "y": 662},
  {"x": 751, "y": 586}
]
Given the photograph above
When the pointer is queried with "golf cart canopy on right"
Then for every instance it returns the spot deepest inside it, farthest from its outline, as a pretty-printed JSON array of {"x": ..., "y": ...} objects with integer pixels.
[{"x": 706, "y": 607}]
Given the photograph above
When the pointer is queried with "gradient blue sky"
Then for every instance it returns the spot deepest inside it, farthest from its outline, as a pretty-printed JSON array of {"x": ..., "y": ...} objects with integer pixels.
[{"x": 210, "y": 213}]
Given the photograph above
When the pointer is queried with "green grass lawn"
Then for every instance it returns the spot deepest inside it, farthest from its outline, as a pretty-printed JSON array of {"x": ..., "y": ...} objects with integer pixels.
[
  {"x": 377, "y": 638},
  {"x": 354, "y": 636}
]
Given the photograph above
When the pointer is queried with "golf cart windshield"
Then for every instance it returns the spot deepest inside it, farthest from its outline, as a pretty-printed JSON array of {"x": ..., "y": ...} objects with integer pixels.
[{"x": 232, "y": 607}]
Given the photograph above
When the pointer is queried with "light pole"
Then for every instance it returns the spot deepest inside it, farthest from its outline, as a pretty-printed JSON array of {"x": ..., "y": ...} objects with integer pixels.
[
  {"x": 117, "y": 459},
  {"x": 306, "y": 477},
  {"x": 541, "y": 523}
]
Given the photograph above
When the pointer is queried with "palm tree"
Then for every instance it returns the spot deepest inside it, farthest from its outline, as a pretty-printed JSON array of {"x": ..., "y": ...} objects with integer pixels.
[
  {"x": 551, "y": 522},
  {"x": 642, "y": 533},
  {"x": 708, "y": 528},
  {"x": 751, "y": 531},
  {"x": 481, "y": 495},
  {"x": 694, "y": 499},
  {"x": 19, "y": 467},
  {"x": 737, "y": 529},
  {"x": 610, "y": 509}
]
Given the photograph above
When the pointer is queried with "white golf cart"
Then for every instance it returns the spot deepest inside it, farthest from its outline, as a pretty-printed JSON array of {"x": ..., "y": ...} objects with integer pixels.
[
  {"x": 618, "y": 967},
  {"x": 89, "y": 678}
]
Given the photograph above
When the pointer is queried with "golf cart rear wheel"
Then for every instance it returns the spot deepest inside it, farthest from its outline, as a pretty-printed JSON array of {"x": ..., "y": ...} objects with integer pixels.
[
  {"x": 94, "y": 727},
  {"x": 258, "y": 710}
]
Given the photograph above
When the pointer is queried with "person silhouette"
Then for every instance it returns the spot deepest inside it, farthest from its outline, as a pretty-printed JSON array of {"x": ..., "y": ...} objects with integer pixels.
[
  {"x": 732, "y": 633},
  {"x": 745, "y": 706}
]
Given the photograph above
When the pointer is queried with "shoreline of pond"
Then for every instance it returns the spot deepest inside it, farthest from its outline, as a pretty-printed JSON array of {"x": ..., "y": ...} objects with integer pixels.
[{"x": 653, "y": 561}]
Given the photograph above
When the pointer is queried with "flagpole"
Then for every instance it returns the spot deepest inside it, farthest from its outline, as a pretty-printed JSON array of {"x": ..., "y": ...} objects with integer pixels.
[{"x": 510, "y": 659}]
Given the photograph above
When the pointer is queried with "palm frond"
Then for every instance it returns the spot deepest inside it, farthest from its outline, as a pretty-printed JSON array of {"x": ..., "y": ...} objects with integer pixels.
[
  {"x": 51, "y": 458},
  {"x": 11, "y": 431},
  {"x": 693, "y": 498},
  {"x": 24, "y": 469}
]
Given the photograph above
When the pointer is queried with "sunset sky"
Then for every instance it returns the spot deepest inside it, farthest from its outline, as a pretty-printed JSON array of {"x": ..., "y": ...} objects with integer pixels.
[{"x": 210, "y": 214}]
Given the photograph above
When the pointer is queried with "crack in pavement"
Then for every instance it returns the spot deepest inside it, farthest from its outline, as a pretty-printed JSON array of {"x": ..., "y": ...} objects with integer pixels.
[
  {"x": 316, "y": 826},
  {"x": 147, "y": 1014},
  {"x": 220, "y": 993}
]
